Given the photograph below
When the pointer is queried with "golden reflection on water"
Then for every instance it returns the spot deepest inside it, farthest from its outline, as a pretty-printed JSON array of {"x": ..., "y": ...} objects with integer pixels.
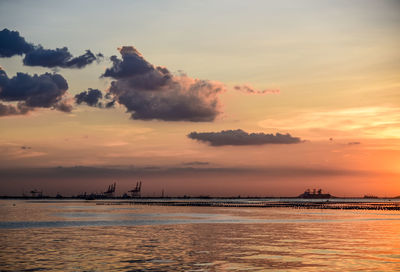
[{"x": 317, "y": 241}]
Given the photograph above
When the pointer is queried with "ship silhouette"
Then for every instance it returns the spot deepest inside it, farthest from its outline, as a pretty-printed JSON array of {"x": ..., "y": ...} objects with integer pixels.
[{"x": 314, "y": 194}]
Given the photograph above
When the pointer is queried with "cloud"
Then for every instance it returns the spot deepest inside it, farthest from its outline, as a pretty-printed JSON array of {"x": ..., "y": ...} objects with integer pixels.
[
  {"x": 151, "y": 92},
  {"x": 250, "y": 90},
  {"x": 44, "y": 91},
  {"x": 18, "y": 109},
  {"x": 240, "y": 137},
  {"x": 94, "y": 98},
  {"x": 132, "y": 64},
  {"x": 353, "y": 143},
  {"x": 91, "y": 97},
  {"x": 120, "y": 172},
  {"x": 370, "y": 122},
  {"x": 59, "y": 57},
  {"x": 110, "y": 104},
  {"x": 195, "y": 163},
  {"x": 63, "y": 106},
  {"x": 11, "y": 44}
]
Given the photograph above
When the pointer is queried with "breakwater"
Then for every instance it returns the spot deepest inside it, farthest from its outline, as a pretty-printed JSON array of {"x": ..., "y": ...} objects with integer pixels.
[{"x": 335, "y": 205}]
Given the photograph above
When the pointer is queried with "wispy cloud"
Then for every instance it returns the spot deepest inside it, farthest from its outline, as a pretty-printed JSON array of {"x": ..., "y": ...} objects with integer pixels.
[
  {"x": 373, "y": 122},
  {"x": 247, "y": 88},
  {"x": 115, "y": 143},
  {"x": 15, "y": 151},
  {"x": 353, "y": 143},
  {"x": 196, "y": 163}
]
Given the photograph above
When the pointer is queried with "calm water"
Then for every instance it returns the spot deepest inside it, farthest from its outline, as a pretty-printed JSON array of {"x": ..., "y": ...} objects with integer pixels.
[{"x": 83, "y": 236}]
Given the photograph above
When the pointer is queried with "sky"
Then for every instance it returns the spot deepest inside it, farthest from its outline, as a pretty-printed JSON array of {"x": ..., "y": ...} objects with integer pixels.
[{"x": 219, "y": 98}]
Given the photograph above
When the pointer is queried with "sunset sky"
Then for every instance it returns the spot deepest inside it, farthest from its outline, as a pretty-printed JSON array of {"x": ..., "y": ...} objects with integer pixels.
[{"x": 221, "y": 98}]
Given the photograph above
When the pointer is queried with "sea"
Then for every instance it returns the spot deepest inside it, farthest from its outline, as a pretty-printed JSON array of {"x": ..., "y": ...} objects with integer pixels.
[{"x": 79, "y": 235}]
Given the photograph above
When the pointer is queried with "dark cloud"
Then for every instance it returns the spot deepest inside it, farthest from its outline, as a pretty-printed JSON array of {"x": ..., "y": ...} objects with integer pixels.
[
  {"x": 132, "y": 64},
  {"x": 250, "y": 90},
  {"x": 82, "y": 60},
  {"x": 29, "y": 92},
  {"x": 26, "y": 147},
  {"x": 11, "y": 44},
  {"x": 95, "y": 98},
  {"x": 59, "y": 57},
  {"x": 240, "y": 137},
  {"x": 91, "y": 97},
  {"x": 354, "y": 143},
  {"x": 151, "y": 92}
]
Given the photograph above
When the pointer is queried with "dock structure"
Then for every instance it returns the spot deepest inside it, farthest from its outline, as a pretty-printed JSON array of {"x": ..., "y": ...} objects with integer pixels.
[
  {"x": 135, "y": 193},
  {"x": 110, "y": 191},
  {"x": 36, "y": 193}
]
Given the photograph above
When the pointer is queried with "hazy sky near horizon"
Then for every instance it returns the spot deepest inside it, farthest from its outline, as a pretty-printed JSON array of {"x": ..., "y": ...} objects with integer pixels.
[{"x": 326, "y": 72}]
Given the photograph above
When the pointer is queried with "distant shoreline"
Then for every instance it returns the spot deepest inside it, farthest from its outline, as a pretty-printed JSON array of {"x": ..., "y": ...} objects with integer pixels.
[{"x": 198, "y": 197}]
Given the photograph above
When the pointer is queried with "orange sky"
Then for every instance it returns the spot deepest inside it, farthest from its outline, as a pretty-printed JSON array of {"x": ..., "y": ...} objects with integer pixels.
[{"x": 334, "y": 68}]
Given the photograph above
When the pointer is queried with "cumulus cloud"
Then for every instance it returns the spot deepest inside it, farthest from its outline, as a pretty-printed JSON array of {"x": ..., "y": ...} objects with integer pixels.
[
  {"x": 11, "y": 43},
  {"x": 94, "y": 98},
  {"x": 250, "y": 90},
  {"x": 152, "y": 92},
  {"x": 91, "y": 97},
  {"x": 240, "y": 137},
  {"x": 63, "y": 106},
  {"x": 18, "y": 109},
  {"x": 132, "y": 64},
  {"x": 29, "y": 92}
]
